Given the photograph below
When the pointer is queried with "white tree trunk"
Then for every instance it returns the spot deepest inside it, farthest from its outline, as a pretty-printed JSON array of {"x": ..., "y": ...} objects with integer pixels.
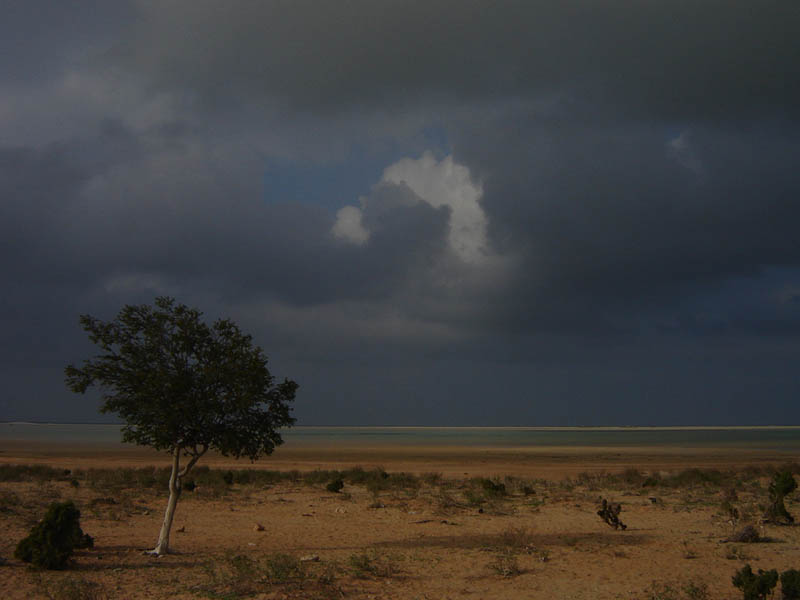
[{"x": 174, "y": 493}]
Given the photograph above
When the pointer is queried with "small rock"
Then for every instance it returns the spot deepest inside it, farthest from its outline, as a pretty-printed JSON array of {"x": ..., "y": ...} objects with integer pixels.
[
  {"x": 258, "y": 527},
  {"x": 310, "y": 558},
  {"x": 181, "y": 529}
]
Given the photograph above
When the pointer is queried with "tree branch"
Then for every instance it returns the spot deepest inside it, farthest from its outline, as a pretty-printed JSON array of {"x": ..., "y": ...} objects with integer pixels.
[{"x": 192, "y": 461}]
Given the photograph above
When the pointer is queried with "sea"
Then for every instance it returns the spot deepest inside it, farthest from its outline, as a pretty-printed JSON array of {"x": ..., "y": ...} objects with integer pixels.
[{"x": 777, "y": 438}]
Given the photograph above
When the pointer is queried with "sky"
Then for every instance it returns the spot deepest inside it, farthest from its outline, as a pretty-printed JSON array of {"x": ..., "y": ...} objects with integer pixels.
[{"x": 449, "y": 212}]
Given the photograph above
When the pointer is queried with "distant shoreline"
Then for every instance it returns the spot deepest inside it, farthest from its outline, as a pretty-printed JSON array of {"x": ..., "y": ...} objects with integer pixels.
[{"x": 487, "y": 428}]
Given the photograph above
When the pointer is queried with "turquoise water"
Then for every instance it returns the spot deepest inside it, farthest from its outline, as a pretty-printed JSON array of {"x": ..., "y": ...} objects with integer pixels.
[{"x": 783, "y": 438}]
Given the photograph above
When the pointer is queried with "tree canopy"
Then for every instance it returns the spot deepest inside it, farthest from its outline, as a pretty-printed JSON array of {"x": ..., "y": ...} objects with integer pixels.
[
  {"x": 184, "y": 386},
  {"x": 179, "y": 383}
]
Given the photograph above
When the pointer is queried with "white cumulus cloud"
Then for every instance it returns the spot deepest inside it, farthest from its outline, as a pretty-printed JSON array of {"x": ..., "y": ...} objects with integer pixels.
[
  {"x": 438, "y": 183},
  {"x": 349, "y": 226}
]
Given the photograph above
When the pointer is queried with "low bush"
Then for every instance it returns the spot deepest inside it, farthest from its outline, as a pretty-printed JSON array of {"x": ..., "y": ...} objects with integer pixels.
[
  {"x": 52, "y": 541},
  {"x": 755, "y": 586},
  {"x": 782, "y": 485},
  {"x": 494, "y": 488},
  {"x": 747, "y": 535},
  {"x": 335, "y": 486},
  {"x": 790, "y": 584}
]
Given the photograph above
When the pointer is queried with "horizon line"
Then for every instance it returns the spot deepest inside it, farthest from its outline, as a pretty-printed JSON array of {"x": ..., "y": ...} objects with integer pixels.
[{"x": 507, "y": 427}]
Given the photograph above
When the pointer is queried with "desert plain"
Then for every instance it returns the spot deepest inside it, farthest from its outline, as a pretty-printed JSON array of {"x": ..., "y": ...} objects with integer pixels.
[{"x": 409, "y": 522}]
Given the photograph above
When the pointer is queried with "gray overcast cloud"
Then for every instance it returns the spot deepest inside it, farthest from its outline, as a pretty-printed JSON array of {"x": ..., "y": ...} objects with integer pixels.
[{"x": 568, "y": 212}]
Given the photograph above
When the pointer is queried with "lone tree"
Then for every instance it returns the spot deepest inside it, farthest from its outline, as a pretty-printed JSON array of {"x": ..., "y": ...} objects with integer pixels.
[{"x": 184, "y": 387}]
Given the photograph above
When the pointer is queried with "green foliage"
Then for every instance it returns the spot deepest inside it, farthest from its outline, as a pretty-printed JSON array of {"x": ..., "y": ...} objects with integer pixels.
[
  {"x": 755, "y": 586},
  {"x": 490, "y": 487},
  {"x": 335, "y": 486},
  {"x": 182, "y": 385},
  {"x": 782, "y": 484},
  {"x": 790, "y": 584},
  {"x": 52, "y": 541}
]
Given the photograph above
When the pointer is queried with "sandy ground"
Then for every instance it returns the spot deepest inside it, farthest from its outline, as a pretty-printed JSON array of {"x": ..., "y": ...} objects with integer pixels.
[{"x": 431, "y": 542}]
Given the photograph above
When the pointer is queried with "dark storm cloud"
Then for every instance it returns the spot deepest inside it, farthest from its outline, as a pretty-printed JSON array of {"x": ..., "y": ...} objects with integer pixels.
[
  {"x": 640, "y": 194},
  {"x": 669, "y": 59},
  {"x": 99, "y": 227},
  {"x": 38, "y": 37},
  {"x": 632, "y": 214}
]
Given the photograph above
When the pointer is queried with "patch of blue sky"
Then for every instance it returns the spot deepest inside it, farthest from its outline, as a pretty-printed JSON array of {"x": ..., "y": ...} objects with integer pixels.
[
  {"x": 340, "y": 182},
  {"x": 330, "y": 185}
]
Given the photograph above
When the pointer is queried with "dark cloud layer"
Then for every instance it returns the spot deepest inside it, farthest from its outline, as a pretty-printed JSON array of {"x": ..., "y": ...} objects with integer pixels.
[
  {"x": 632, "y": 256},
  {"x": 672, "y": 60}
]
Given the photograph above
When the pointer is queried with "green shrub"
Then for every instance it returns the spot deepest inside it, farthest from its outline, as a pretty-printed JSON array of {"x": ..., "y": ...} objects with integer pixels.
[
  {"x": 335, "y": 486},
  {"x": 52, "y": 540},
  {"x": 755, "y": 587},
  {"x": 782, "y": 485},
  {"x": 790, "y": 584},
  {"x": 492, "y": 487}
]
